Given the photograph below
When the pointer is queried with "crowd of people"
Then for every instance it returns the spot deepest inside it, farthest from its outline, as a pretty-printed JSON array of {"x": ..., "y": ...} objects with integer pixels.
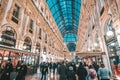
[
  {"x": 8, "y": 72},
  {"x": 69, "y": 71},
  {"x": 65, "y": 70}
]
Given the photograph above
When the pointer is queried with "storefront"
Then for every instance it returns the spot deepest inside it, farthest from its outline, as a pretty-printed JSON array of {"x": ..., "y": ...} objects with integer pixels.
[{"x": 112, "y": 45}]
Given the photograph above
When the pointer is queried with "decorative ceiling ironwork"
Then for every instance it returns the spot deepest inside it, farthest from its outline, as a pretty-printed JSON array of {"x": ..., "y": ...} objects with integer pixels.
[{"x": 66, "y": 14}]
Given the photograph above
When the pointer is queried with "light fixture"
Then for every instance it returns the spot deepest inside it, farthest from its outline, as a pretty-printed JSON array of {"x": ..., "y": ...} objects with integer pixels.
[
  {"x": 113, "y": 54},
  {"x": 112, "y": 44},
  {"x": 113, "y": 59},
  {"x": 89, "y": 49},
  {"x": 37, "y": 50},
  {"x": 44, "y": 53},
  {"x": 24, "y": 47},
  {"x": 0, "y": 39},
  {"x": 8, "y": 28},
  {"x": 95, "y": 44},
  {"x": 110, "y": 33}
]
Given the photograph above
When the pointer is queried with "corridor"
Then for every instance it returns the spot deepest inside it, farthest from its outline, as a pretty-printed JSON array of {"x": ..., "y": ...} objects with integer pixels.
[{"x": 49, "y": 34}]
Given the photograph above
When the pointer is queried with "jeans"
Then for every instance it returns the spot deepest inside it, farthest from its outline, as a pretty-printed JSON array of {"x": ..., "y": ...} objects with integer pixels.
[{"x": 43, "y": 77}]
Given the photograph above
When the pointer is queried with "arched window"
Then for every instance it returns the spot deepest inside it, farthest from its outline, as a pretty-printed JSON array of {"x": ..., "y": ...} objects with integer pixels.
[
  {"x": 44, "y": 50},
  {"x": 37, "y": 48},
  {"x": 27, "y": 44},
  {"x": 8, "y": 37}
]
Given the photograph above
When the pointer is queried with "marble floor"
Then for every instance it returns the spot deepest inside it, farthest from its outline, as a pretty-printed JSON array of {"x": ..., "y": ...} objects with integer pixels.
[{"x": 50, "y": 76}]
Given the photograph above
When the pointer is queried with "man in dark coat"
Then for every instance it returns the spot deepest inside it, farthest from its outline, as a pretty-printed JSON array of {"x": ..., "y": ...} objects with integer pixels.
[
  {"x": 71, "y": 73},
  {"x": 62, "y": 71},
  {"x": 7, "y": 70},
  {"x": 22, "y": 71},
  {"x": 81, "y": 72},
  {"x": 44, "y": 71}
]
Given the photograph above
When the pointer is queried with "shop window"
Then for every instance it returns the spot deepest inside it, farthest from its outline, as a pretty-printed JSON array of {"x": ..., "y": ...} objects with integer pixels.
[
  {"x": 15, "y": 14},
  {"x": 40, "y": 33},
  {"x": 31, "y": 26}
]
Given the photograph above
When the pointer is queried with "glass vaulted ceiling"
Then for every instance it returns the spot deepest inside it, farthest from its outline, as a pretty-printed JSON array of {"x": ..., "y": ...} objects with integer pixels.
[{"x": 66, "y": 14}]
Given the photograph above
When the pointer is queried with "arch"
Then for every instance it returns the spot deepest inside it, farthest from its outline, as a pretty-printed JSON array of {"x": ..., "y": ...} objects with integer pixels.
[
  {"x": 107, "y": 23},
  {"x": 5, "y": 26},
  {"x": 27, "y": 43},
  {"x": 8, "y": 36}
]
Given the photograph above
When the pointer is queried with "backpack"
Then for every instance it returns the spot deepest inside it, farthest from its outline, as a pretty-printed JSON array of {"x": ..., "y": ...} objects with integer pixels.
[{"x": 92, "y": 75}]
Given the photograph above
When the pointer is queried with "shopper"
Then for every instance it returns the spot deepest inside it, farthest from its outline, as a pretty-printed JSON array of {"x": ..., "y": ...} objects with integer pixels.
[
  {"x": 104, "y": 73},
  {"x": 22, "y": 71},
  {"x": 44, "y": 71},
  {"x": 62, "y": 71},
  {"x": 71, "y": 74},
  {"x": 81, "y": 72},
  {"x": 7, "y": 70},
  {"x": 92, "y": 75}
]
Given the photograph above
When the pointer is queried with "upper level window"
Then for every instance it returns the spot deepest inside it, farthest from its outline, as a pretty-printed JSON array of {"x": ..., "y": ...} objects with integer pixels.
[
  {"x": 15, "y": 14},
  {"x": 46, "y": 38},
  {"x": 102, "y": 11},
  {"x": 101, "y": 4},
  {"x": 40, "y": 33},
  {"x": 31, "y": 26},
  {"x": 42, "y": 9}
]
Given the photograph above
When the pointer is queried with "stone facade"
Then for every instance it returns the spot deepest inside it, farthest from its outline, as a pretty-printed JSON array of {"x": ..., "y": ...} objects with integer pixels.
[{"x": 37, "y": 12}]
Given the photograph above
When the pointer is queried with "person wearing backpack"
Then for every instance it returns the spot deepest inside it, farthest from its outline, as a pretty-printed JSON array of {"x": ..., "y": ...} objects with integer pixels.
[
  {"x": 92, "y": 75},
  {"x": 104, "y": 73}
]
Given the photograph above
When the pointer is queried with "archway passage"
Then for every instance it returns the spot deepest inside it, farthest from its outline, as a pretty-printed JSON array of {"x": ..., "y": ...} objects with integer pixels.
[{"x": 8, "y": 37}]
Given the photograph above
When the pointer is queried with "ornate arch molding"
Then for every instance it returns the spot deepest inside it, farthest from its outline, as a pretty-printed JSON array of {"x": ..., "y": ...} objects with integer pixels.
[
  {"x": 4, "y": 27},
  {"x": 27, "y": 35},
  {"x": 106, "y": 20},
  {"x": 8, "y": 36}
]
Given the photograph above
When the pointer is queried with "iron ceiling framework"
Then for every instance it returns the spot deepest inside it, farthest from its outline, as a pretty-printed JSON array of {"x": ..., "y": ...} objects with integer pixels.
[{"x": 66, "y": 14}]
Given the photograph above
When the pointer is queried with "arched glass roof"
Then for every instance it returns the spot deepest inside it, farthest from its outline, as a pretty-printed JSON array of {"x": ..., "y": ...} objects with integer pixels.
[{"x": 66, "y": 14}]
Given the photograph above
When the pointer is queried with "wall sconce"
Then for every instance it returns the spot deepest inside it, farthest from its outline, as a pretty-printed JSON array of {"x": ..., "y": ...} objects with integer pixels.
[
  {"x": 95, "y": 44},
  {"x": 37, "y": 50},
  {"x": 24, "y": 47}
]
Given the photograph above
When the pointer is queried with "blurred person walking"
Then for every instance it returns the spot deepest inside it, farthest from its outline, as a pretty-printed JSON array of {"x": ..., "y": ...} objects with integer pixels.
[
  {"x": 104, "y": 73},
  {"x": 7, "y": 70},
  {"x": 22, "y": 71}
]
